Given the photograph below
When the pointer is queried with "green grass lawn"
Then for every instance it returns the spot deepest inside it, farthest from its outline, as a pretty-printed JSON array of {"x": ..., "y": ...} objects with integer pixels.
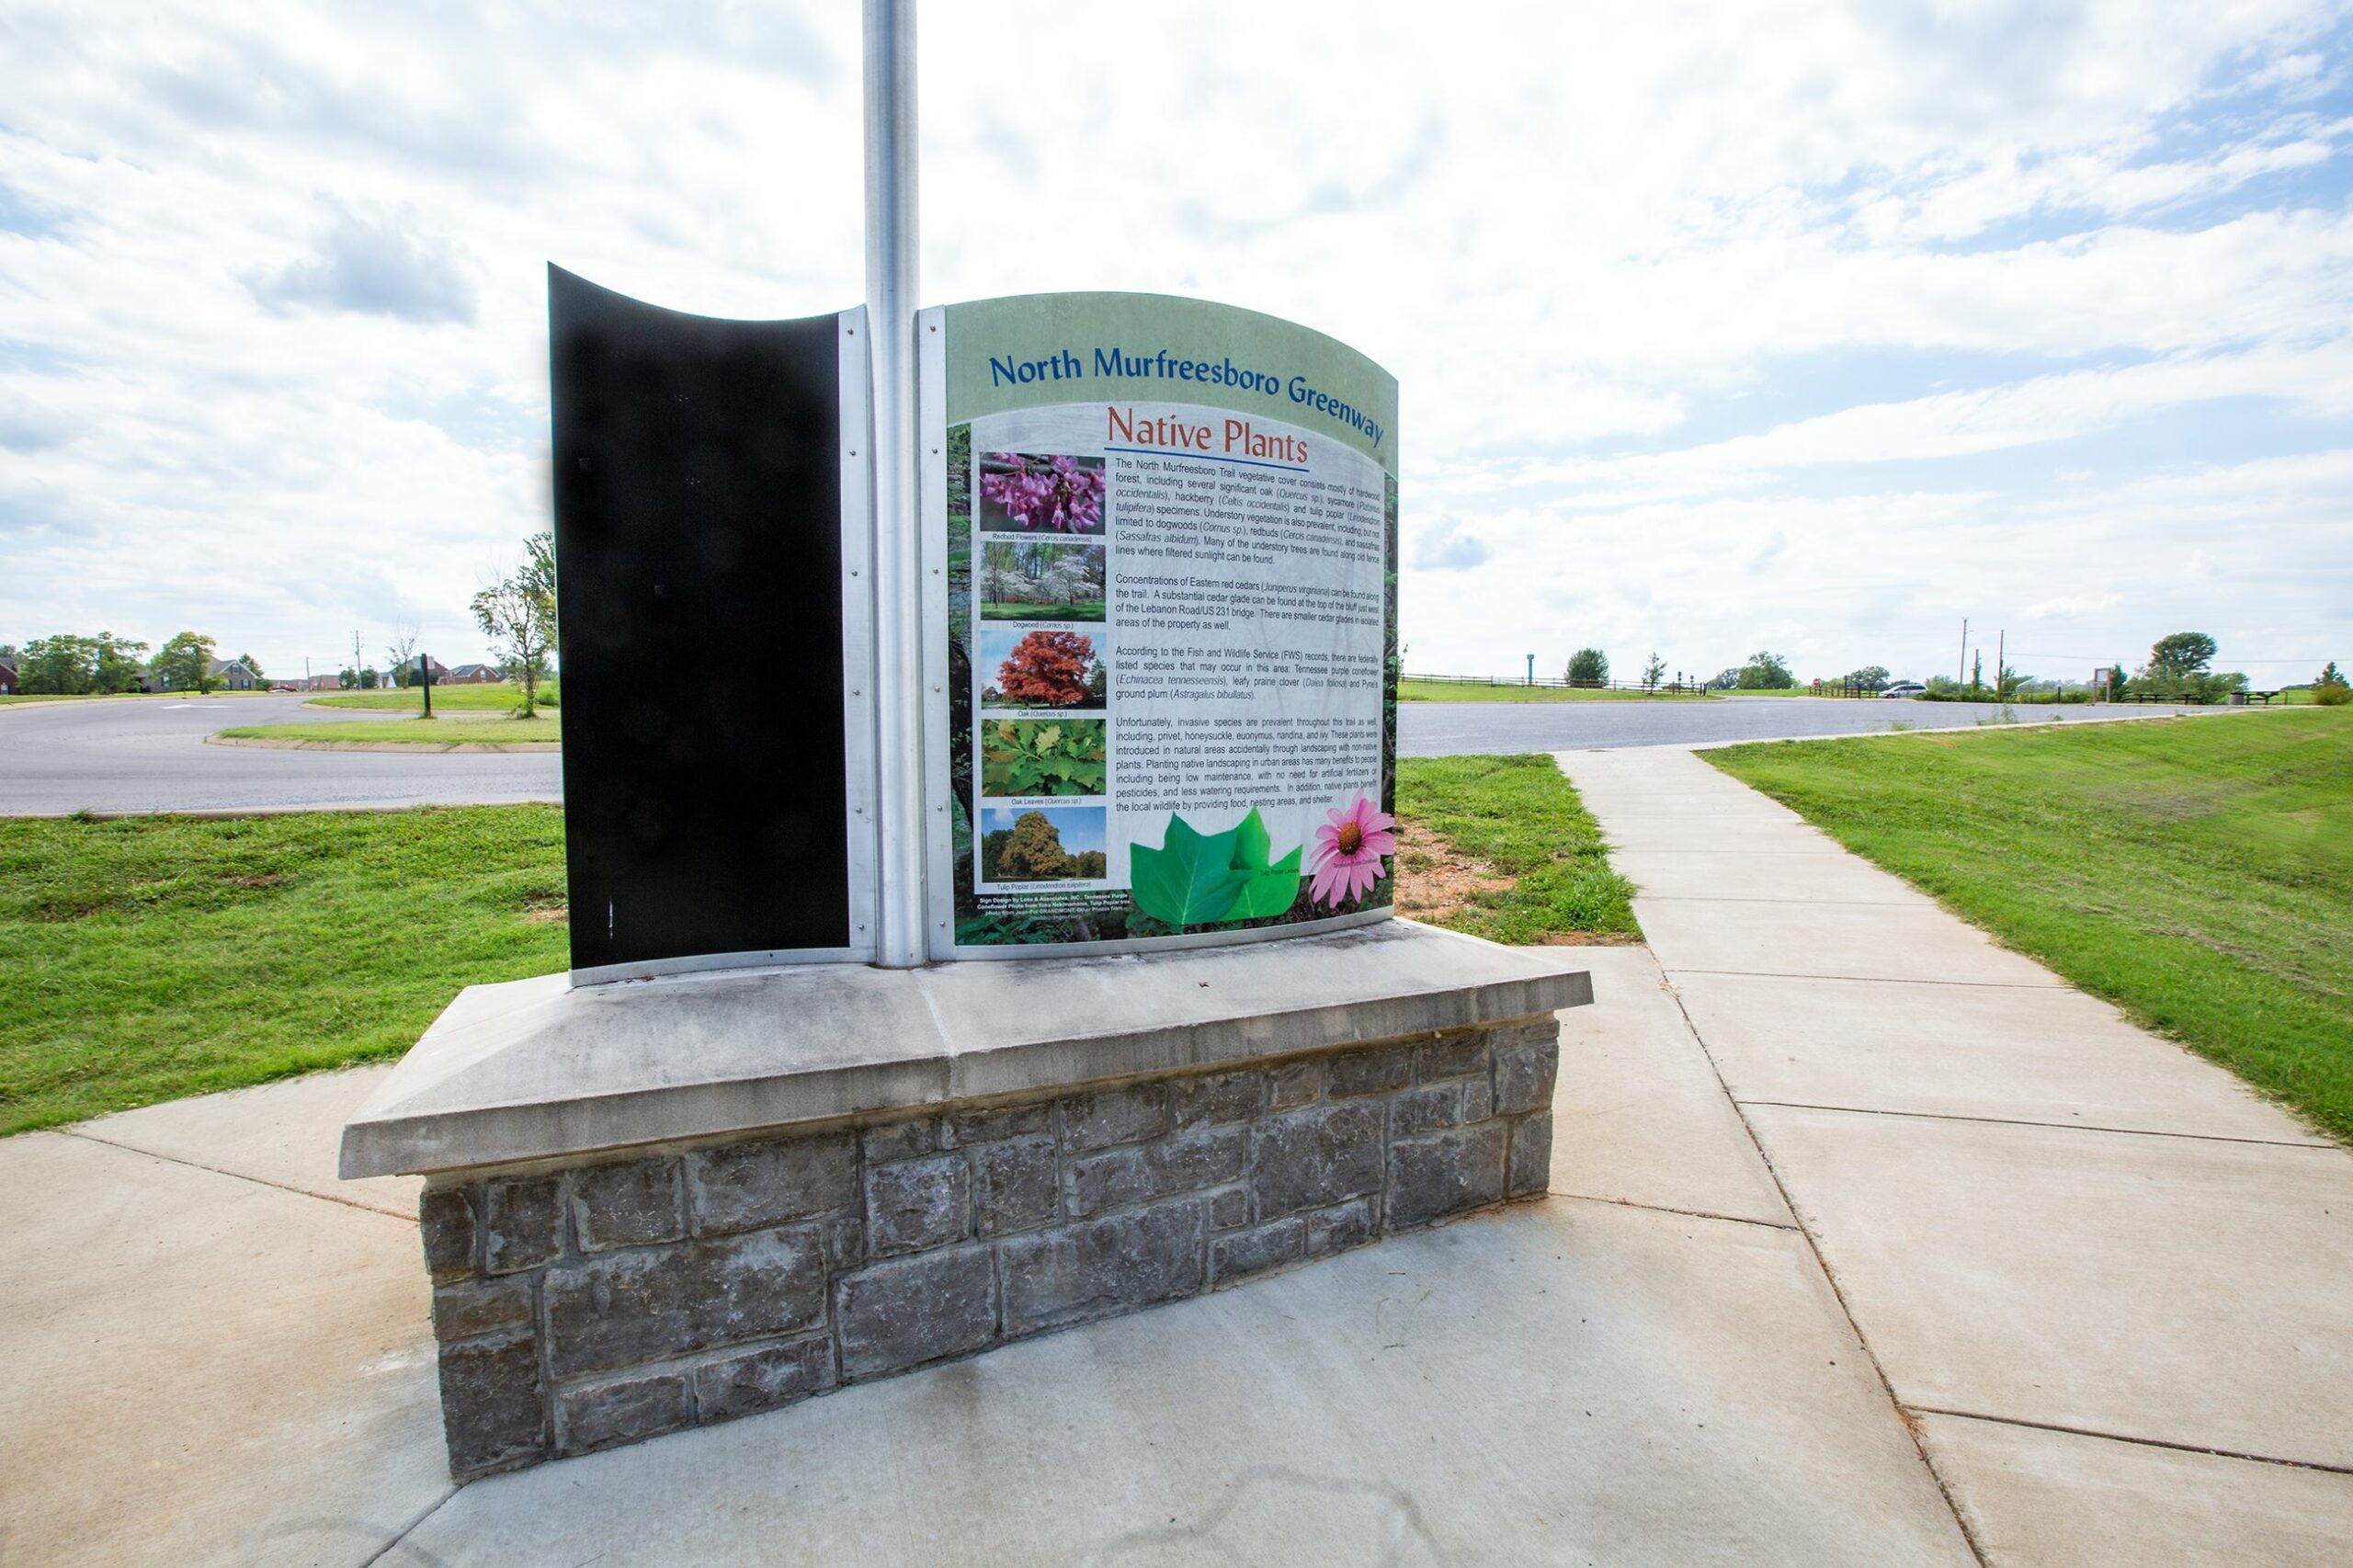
[
  {"x": 1548, "y": 878},
  {"x": 498, "y": 695},
  {"x": 150, "y": 957},
  {"x": 1090, "y": 612},
  {"x": 476, "y": 728},
  {"x": 2198, "y": 872},
  {"x": 1412, "y": 690}
]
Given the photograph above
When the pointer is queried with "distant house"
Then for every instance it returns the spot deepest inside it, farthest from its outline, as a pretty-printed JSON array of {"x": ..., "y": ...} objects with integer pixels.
[
  {"x": 469, "y": 674},
  {"x": 434, "y": 668},
  {"x": 321, "y": 683},
  {"x": 8, "y": 679},
  {"x": 233, "y": 675}
]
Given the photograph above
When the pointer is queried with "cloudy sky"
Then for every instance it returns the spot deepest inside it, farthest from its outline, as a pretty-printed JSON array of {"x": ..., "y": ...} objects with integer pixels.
[{"x": 1720, "y": 328}]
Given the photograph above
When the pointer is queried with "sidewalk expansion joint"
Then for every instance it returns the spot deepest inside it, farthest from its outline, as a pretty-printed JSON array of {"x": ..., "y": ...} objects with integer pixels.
[
  {"x": 1838, "y": 1291},
  {"x": 2053, "y": 1126},
  {"x": 2322, "y": 1465},
  {"x": 1874, "y": 979},
  {"x": 1786, "y": 1227},
  {"x": 236, "y": 1176},
  {"x": 1916, "y": 901},
  {"x": 410, "y": 1528}
]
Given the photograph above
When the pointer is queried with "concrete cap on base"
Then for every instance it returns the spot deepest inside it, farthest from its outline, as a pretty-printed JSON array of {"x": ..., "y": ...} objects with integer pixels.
[{"x": 536, "y": 1069}]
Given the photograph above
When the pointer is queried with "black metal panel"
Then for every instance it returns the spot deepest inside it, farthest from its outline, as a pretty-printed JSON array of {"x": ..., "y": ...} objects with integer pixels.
[{"x": 698, "y": 529}]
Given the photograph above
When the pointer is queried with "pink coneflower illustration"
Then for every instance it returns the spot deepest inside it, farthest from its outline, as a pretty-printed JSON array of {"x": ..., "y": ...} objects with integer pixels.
[{"x": 1348, "y": 851}]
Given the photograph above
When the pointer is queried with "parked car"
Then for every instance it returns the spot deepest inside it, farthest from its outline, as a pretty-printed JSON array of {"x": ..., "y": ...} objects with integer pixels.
[{"x": 1904, "y": 689}]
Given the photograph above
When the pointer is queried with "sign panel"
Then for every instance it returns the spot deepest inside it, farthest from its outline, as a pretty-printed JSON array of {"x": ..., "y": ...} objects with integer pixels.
[
  {"x": 1161, "y": 557},
  {"x": 710, "y": 529}
]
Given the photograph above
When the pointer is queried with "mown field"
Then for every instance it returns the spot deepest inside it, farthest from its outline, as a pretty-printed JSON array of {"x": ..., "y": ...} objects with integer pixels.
[
  {"x": 2198, "y": 872},
  {"x": 145, "y": 958},
  {"x": 1411, "y": 690},
  {"x": 495, "y": 695},
  {"x": 475, "y": 728}
]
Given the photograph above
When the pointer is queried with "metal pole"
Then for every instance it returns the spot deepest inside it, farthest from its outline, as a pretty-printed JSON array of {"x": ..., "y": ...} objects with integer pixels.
[{"x": 891, "y": 256}]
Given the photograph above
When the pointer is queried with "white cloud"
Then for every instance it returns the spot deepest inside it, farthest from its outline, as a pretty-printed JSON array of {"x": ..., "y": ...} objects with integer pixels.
[{"x": 272, "y": 274}]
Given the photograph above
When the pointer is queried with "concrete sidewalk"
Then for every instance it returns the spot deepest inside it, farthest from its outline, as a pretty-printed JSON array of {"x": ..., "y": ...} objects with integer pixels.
[
  {"x": 2111, "y": 1287},
  {"x": 218, "y": 1354}
]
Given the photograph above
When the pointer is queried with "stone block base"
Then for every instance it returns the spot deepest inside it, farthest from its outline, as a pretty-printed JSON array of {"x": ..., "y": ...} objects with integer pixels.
[{"x": 583, "y": 1304}]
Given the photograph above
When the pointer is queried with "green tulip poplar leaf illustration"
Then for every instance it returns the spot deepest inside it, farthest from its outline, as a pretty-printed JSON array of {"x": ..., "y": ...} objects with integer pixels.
[
  {"x": 1197, "y": 878},
  {"x": 1271, "y": 889}
]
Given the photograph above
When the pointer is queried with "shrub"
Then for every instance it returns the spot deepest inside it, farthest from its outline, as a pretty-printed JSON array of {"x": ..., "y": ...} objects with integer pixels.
[{"x": 1589, "y": 666}]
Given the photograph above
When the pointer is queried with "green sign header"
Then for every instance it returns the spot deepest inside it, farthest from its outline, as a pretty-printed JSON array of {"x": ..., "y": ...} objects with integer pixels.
[{"x": 1029, "y": 350}]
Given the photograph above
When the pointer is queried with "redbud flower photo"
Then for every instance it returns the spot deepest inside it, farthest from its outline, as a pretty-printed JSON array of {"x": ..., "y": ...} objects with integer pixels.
[{"x": 1022, "y": 494}]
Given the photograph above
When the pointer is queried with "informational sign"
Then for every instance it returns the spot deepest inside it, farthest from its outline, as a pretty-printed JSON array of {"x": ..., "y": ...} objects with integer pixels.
[{"x": 1162, "y": 639}]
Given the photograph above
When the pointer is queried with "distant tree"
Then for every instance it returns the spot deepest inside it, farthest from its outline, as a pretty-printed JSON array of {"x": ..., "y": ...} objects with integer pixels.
[
  {"x": 1035, "y": 851},
  {"x": 1766, "y": 671},
  {"x": 1725, "y": 678},
  {"x": 121, "y": 662},
  {"x": 538, "y": 577},
  {"x": 1653, "y": 672},
  {"x": 1588, "y": 666},
  {"x": 2183, "y": 654},
  {"x": 402, "y": 652},
  {"x": 2328, "y": 676},
  {"x": 993, "y": 851},
  {"x": 2331, "y": 690},
  {"x": 1089, "y": 863},
  {"x": 518, "y": 616},
  {"x": 367, "y": 681},
  {"x": 253, "y": 664},
  {"x": 58, "y": 665},
  {"x": 185, "y": 663},
  {"x": 347, "y": 678},
  {"x": 1872, "y": 677}
]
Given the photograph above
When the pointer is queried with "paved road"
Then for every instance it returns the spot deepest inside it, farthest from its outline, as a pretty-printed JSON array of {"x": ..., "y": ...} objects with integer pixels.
[
  {"x": 1460, "y": 729},
  {"x": 150, "y": 755}
]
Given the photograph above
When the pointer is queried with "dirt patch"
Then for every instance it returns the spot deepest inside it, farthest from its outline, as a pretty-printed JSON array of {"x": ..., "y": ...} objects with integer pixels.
[
  {"x": 554, "y": 913},
  {"x": 263, "y": 880},
  {"x": 1437, "y": 882}
]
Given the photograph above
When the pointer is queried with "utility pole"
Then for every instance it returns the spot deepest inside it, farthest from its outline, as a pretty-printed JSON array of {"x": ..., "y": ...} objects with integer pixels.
[
  {"x": 355, "y": 658},
  {"x": 2001, "y": 640},
  {"x": 1964, "y": 651},
  {"x": 901, "y": 940}
]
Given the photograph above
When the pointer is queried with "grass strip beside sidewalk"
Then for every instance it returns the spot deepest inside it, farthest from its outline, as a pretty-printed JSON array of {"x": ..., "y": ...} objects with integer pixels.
[
  {"x": 2198, "y": 872},
  {"x": 149, "y": 958},
  {"x": 146, "y": 959},
  {"x": 1501, "y": 846}
]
